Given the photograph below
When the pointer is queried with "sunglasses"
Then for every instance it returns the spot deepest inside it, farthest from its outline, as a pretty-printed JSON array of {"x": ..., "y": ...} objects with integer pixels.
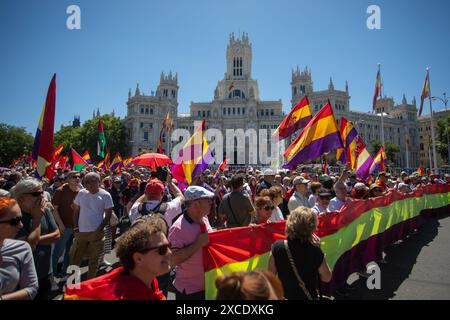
[
  {"x": 35, "y": 194},
  {"x": 75, "y": 177},
  {"x": 162, "y": 249},
  {"x": 268, "y": 208},
  {"x": 14, "y": 221}
]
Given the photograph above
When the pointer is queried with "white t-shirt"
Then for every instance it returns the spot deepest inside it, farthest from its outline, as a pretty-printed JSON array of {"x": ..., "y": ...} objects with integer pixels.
[
  {"x": 92, "y": 208},
  {"x": 335, "y": 204},
  {"x": 276, "y": 215},
  {"x": 312, "y": 200},
  {"x": 173, "y": 209}
]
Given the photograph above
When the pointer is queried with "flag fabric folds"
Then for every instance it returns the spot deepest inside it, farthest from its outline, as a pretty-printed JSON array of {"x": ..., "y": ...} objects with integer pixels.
[
  {"x": 425, "y": 93},
  {"x": 298, "y": 118},
  {"x": 223, "y": 165},
  {"x": 348, "y": 135},
  {"x": 321, "y": 135},
  {"x": 379, "y": 161},
  {"x": 363, "y": 159},
  {"x": 57, "y": 151},
  {"x": 101, "y": 143},
  {"x": 116, "y": 164},
  {"x": 325, "y": 167},
  {"x": 421, "y": 171},
  {"x": 43, "y": 141},
  {"x": 377, "y": 92},
  {"x": 194, "y": 157},
  {"x": 87, "y": 157},
  {"x": 78, "y": 162},
  {"x": 350, "y": 238},
  {"x": 115, "y": 285}
]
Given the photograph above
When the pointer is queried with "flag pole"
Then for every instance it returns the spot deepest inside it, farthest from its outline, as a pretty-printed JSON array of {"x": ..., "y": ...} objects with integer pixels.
[
  {"x": 432, "y": 125},
  {"x": 382, "y": 116},
  {"x": 407, "y": 156}
]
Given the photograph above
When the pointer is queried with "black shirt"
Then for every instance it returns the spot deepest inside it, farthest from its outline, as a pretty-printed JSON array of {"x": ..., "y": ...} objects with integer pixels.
[
  {"x": 263, "y": 185},
  {"x": 307, "y": 259}
]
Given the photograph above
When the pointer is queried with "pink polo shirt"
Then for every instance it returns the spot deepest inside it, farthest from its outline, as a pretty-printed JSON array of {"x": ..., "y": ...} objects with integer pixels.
[{"x": 190, "y": 275}]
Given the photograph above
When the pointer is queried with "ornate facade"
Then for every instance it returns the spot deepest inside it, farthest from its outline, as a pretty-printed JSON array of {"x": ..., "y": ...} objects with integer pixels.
[{"x": 237, "y": 105}]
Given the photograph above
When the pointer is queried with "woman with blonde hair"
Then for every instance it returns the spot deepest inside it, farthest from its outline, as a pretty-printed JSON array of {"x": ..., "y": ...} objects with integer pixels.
[
  {"x": 298, "y": 261},
  {"x": 18, "y": 279}
]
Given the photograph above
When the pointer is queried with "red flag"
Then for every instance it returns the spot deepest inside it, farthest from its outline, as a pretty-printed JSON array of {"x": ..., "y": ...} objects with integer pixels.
[
  {"x": 223, "y": 165},
  {"x": 377, "y": 92},
  {"x": 425, "y": 92}
]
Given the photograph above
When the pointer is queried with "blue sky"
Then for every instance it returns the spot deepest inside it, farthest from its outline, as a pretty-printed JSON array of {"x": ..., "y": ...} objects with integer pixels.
[{"x": 122, "y": 43}]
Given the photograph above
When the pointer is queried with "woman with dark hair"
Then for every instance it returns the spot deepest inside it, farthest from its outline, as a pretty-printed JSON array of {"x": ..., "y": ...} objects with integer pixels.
[
  {"x": 264, "y": 207},
  {"x": 298, "y": 261},
  {"x": 144, "y": 253},
  {"x": 253, "y": 285}
]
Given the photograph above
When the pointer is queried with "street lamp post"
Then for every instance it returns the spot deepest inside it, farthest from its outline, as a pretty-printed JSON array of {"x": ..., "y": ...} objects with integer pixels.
[{"x": 445, "y": 101}]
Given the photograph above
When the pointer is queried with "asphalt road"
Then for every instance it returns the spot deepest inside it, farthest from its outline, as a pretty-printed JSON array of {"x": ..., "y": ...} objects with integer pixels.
[{"x": 416, "y": 268}]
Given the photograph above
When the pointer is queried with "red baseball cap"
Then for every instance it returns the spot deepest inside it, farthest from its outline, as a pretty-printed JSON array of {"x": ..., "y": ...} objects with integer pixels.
[{"x": 154, "y": 186}]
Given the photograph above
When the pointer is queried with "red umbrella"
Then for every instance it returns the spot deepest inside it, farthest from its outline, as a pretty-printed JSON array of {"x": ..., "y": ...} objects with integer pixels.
[{"x": 152, "y": 160}]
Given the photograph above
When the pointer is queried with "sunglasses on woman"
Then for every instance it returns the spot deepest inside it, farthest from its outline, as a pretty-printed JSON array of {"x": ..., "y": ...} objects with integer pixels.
[
  {"x": 14, "y": 221},
  {"x": 268, "y": 208},
  {"x": 35, "y": 194},
  {"x": 162, "y": 249}
]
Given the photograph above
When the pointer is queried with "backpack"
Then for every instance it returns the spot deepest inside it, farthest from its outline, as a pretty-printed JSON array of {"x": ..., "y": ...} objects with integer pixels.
[{"x": 145, "y": 213}]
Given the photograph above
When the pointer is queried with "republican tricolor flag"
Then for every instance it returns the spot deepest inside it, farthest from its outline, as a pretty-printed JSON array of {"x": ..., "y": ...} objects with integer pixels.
[
  {"x": 43, "y": 141},
  {"x": 379, "y": 161},
  {"x": 348, "y": 135},
  {"x": 194, "y": 158},
  {"x": 87, "y": 157},
  {"x": 321, "y": 135}
]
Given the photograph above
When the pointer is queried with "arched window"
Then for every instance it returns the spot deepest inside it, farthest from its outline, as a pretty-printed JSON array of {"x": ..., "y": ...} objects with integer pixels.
[{"x": 236, "y": 94}]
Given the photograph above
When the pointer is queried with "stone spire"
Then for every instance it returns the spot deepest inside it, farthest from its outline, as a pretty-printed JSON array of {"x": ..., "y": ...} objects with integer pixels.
[
  {"x": 138, "y": 92},
  {"x": 404, "y": 102},
  {"x": 346, "y": 86},
  {"x": 414, "y": 101},
  {"x": 331, "y": 85},
  {"x": 129, "y": 93},
  {"x": 98, "y": 112}
]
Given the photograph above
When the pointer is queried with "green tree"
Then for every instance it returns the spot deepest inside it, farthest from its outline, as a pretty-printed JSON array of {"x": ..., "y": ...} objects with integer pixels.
[
  {"x": 389, "y": 148},
  {"x": 69, "y": 137},
  {"x": 85, "y": 137},
  {"x": 14, "y": 142},
  {"x": 442, "y": 132}
]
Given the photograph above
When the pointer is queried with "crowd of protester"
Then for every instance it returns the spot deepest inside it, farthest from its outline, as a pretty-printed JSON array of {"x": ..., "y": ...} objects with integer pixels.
[{"x": 158, "y": 231}]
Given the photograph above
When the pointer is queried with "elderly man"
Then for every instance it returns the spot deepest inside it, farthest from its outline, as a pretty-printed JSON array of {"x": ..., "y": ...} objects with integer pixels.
[
  {"x": 323, "y": 202},
  {"x": 92, "y": 212},
  {"x": 299, "y": 198},
  {"x": 341, "y": 197},
  {"x": 267, "y": 183},
  {"x": 188, "y": 235}
]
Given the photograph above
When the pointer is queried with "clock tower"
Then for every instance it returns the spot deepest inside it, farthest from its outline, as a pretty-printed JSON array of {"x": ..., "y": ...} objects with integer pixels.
[{"x": 239, "y": 58}]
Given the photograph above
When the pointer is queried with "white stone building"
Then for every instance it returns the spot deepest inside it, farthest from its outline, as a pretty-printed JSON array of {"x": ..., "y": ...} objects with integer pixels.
[{"x": 237, "y": 105}]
